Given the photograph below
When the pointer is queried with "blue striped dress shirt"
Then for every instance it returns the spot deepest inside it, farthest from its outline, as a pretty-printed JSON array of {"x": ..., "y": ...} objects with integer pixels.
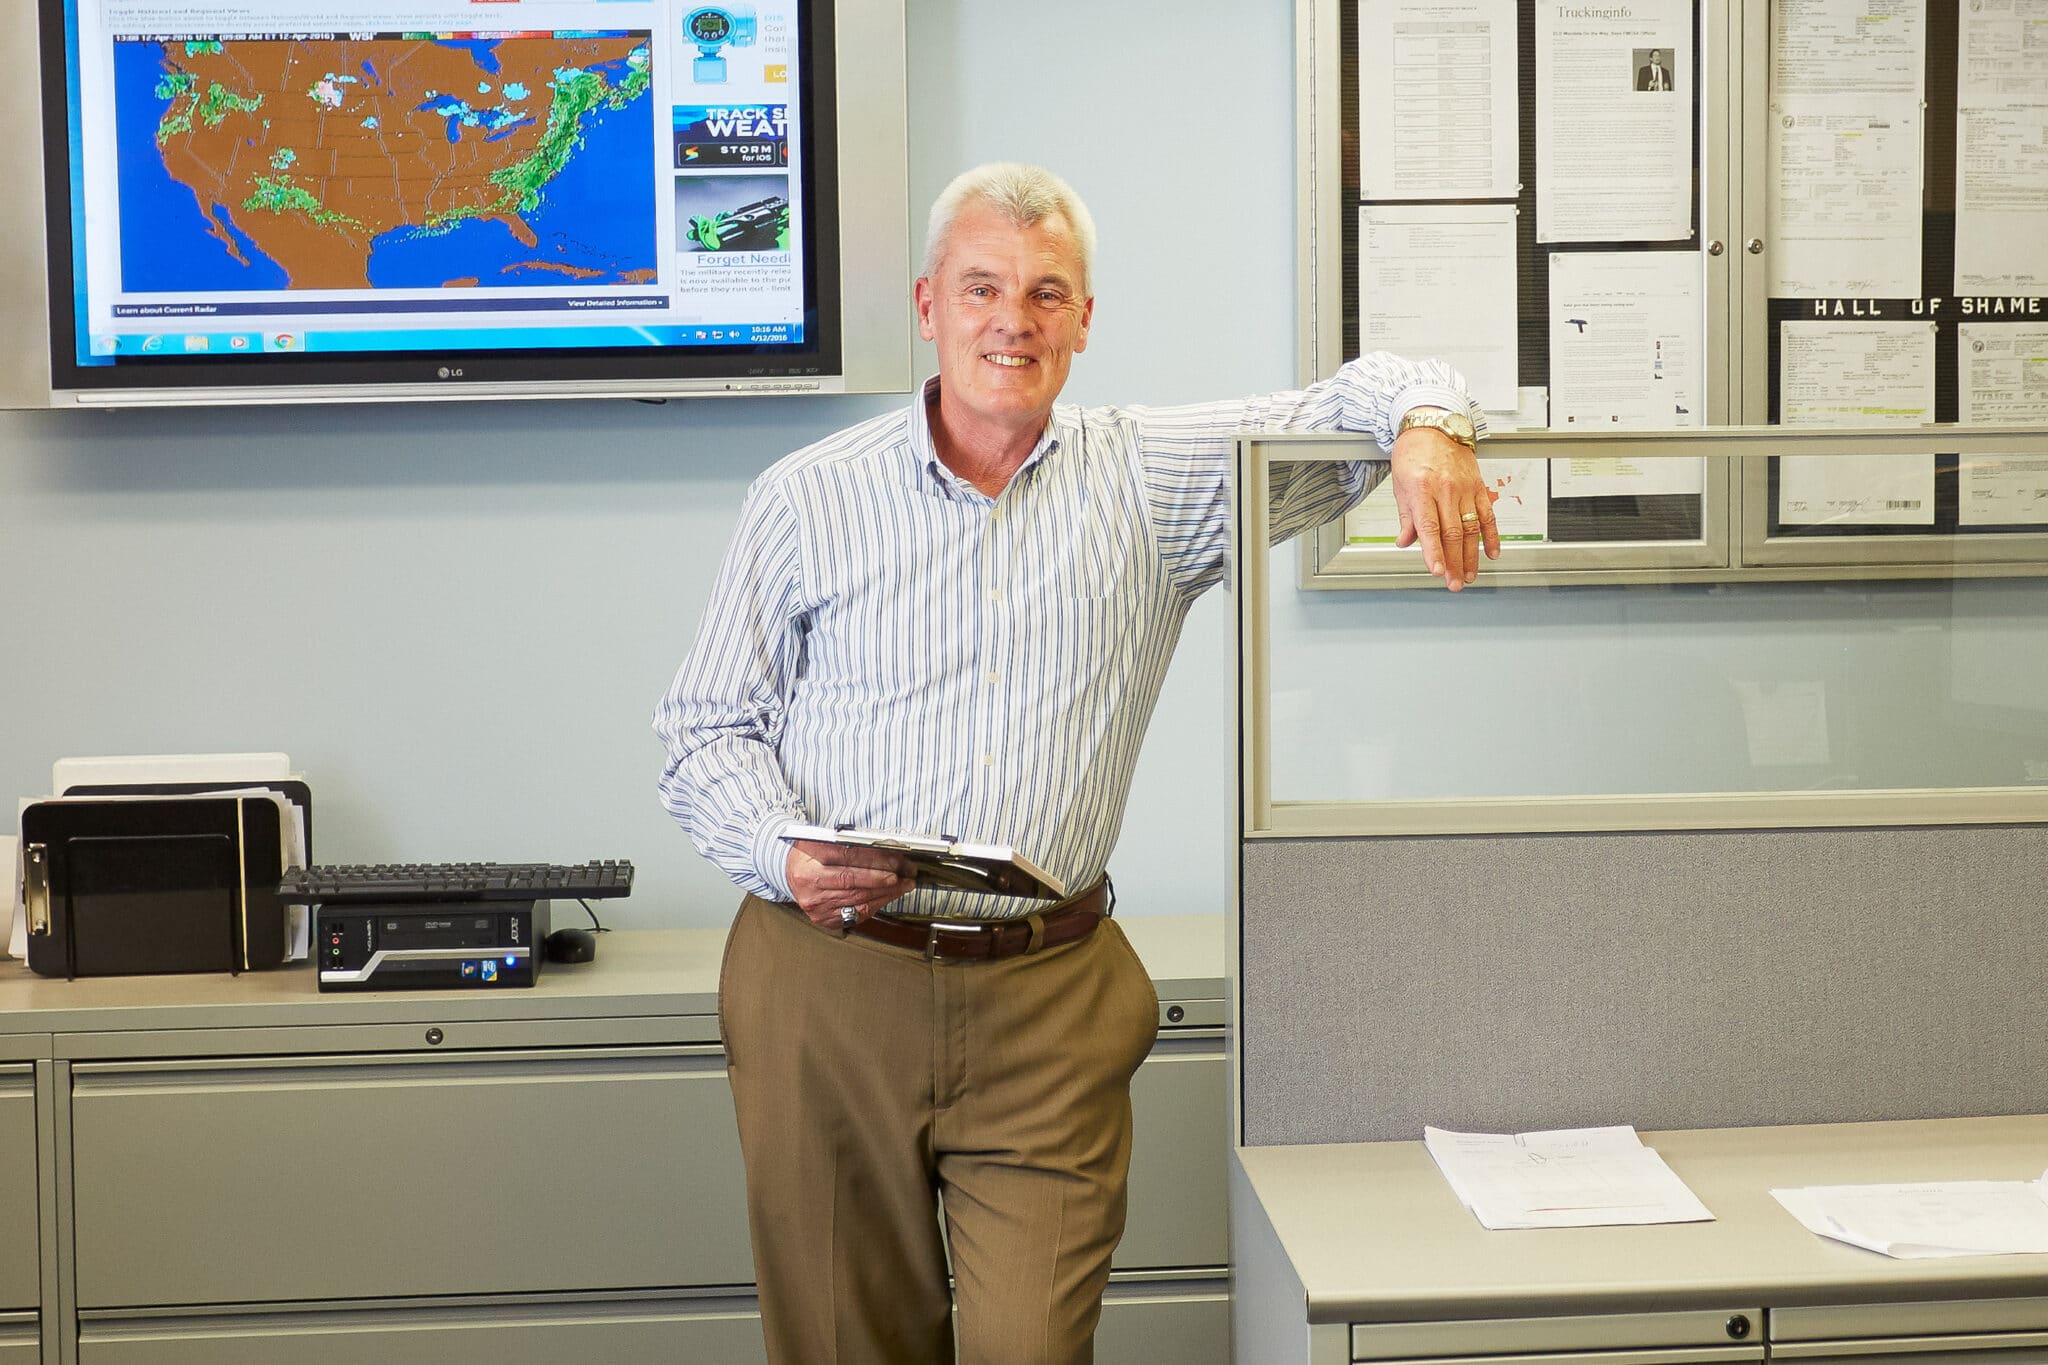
[{"x": 887, "y": 646}]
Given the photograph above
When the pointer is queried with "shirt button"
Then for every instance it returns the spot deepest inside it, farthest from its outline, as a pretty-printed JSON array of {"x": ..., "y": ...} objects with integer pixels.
[
  {"x": 991, "y": 675},
  {"x": 988, "y": 760}
]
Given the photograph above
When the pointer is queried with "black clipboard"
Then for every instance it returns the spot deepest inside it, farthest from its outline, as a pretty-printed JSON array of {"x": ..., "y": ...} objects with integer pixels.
[
  {"x": 144, "y": 885},
  {"x": 291, "y": 789},
  {"x": 943, "y": 861}
]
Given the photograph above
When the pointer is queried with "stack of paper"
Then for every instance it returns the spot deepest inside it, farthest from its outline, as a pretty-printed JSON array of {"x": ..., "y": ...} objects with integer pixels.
[
  {"x": 1569, "y": 1178},
  {"x": 1937, "y": 1218},
  {"x": 14, "y": 943}
]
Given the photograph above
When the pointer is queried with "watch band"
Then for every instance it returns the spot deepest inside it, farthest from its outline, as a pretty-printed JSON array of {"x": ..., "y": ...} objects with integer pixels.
[{"x": 1455, "y": 425}]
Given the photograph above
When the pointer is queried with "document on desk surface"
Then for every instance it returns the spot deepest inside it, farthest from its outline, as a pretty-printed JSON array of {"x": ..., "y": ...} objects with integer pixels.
[
  {"x": 1931, "y": 1218},
  {"x": 1563, "y": 1178}
]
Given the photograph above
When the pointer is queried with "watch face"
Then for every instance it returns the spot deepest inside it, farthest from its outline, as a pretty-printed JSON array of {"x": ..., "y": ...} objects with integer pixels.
[{"x": 1455, "y": 425}]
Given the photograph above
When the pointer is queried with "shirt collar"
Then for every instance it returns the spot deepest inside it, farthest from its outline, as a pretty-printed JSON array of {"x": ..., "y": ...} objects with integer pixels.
[{"x": 935, "y": 476}]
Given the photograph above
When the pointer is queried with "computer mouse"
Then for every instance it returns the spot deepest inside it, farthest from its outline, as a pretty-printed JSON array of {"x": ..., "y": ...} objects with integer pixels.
[{"x": 571, "y": 945}]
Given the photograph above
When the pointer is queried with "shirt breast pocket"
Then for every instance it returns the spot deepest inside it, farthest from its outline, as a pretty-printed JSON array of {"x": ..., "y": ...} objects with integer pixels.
[
  {"x": 1091, "y": 554},
  {"x": 1093, "y": 571}
]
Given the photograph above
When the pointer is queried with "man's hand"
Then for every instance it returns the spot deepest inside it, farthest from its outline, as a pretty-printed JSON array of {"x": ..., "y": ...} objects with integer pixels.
[
  {"x": 825, "y": 878},
  {"x": 1436, "y": 484}
]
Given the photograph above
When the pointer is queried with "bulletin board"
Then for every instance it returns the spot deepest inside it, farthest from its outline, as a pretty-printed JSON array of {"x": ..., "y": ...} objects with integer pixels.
[
  {"x": 1660, "y": 216},
  {"x": 1906, "y": 273}
]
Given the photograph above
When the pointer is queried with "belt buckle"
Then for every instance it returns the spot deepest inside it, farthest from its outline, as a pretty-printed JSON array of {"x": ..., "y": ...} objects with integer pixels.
[{"x": 931, "y": 936}]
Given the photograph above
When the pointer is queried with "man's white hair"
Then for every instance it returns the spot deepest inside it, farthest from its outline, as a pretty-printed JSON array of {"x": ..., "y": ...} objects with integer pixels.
[{"x": 1026, "y": 195}]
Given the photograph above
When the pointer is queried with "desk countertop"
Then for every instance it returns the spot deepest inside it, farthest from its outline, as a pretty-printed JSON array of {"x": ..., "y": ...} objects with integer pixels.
[
  {"x": 638, "y": 973},
  {"x": 1374, "y": 1233}
]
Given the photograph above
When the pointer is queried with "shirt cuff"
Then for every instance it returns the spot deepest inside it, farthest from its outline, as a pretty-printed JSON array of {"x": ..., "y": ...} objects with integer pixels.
[
  {"x": 1443, "y": 396},
  {"x": 771, "y": 856}
]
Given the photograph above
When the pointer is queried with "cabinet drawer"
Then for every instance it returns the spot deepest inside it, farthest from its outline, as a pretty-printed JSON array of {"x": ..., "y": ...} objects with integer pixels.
[
  {"x": 253, "y": 1181},
  {"x": 19, "y": 1344},
  {"x": 19, "y": 1287},
  {"x": 629, "y": 1333},
  {"x": 1142, "y": 1324},
  {"x": 1165, "y": 1324},
  {"x": 1729, "y": 1336},
  {"x": 1179, "y": 1195}
]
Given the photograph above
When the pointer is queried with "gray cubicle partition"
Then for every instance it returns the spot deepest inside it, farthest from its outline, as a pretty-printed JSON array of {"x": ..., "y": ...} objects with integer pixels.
[
  {"x": 1791, "y": 940},
  {"x": 1669, "y": 979}
]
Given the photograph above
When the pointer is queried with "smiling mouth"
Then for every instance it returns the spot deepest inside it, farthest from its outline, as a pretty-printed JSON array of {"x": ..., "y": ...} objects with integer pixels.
[{"x": 1008, "y": 361}]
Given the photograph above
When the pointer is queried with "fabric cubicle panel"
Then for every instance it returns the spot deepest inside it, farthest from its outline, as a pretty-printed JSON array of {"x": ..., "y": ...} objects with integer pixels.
[{"x": 1670, "y": 980}]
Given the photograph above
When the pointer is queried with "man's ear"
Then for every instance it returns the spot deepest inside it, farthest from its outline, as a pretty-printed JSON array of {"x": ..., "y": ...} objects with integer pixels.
[
  {"x": 923, "y": 298},
  {"x": 1087, "y": 316}
]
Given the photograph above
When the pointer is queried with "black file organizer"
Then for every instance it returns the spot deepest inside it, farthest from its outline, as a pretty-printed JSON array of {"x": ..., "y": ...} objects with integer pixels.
[{"x": 157, "y": 884}]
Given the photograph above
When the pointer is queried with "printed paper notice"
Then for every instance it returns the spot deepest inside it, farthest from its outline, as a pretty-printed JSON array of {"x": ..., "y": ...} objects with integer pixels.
[
  {"x": 1856, "y": 374},
  {"x": 1845, "y": 197},
  {"x": 1614, "y": 101},
  {"x": 1787, "y": 722},
  {"x": 1568, "y": 1178},
  {"x": 2004, "y": 382},
  {"x": 1521, "y": 508},
  {"x": 2002, "y": 200},
  {"x": 1849, "y": 47},
  {"x": 1439, "y": 280},
  {"x": 1937, "y": 1218},
  {"x": 1625, "y": 343},
  {"x": 2001, "y": 54},
  {"x": 1438, "y": 113}
]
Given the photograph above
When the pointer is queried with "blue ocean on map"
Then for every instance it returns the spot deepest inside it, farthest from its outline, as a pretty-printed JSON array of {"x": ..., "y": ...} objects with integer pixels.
[
  {"x": 597, "y": 215},
  {"x": 167, "y": 244}
]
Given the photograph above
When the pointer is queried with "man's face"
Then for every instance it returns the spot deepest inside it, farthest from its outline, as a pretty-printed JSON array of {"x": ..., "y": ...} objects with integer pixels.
[
  {"x": 1656, "y": 59},
  {"x": 1007, "y": 310}
]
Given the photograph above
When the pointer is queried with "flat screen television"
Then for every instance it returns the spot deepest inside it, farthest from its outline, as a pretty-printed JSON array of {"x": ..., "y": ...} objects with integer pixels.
[{"x": 327, "y": 200}]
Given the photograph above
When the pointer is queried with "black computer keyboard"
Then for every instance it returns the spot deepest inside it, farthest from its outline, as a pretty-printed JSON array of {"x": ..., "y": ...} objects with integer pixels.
[{"x": 342, "y": 883}]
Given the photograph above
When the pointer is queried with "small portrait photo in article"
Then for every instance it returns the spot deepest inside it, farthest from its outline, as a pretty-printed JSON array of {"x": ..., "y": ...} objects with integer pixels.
[{"x": 1653, "y": 69}]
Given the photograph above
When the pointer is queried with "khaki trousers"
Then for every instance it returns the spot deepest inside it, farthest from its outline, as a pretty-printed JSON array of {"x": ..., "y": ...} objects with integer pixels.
[{"x": 870, "y": 1081}]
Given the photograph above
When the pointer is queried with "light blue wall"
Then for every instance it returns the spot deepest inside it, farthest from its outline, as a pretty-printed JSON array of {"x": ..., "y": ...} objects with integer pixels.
[{"x": 456, "y": 618}]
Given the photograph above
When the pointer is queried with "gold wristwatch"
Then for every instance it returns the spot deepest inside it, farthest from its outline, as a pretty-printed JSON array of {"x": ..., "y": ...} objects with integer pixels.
[{"x": 1455, "y": 425}]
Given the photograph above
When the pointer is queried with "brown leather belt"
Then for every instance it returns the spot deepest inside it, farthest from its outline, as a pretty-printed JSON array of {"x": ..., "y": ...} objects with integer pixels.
[{"x": 987, "y": 940}]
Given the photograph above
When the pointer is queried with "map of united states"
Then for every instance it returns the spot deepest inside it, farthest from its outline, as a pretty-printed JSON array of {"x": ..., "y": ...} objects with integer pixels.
[{"x": 395, "y": 162}]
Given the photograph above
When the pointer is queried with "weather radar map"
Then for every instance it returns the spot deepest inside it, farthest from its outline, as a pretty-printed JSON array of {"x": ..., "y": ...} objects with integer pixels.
[{"x": 402, "y": 161}]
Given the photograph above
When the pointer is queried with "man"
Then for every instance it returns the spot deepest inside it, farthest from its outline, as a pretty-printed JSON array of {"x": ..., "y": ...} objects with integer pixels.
[
  {"x": 1655, "y": 75},
  {"x": 956, "y": 619}
]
